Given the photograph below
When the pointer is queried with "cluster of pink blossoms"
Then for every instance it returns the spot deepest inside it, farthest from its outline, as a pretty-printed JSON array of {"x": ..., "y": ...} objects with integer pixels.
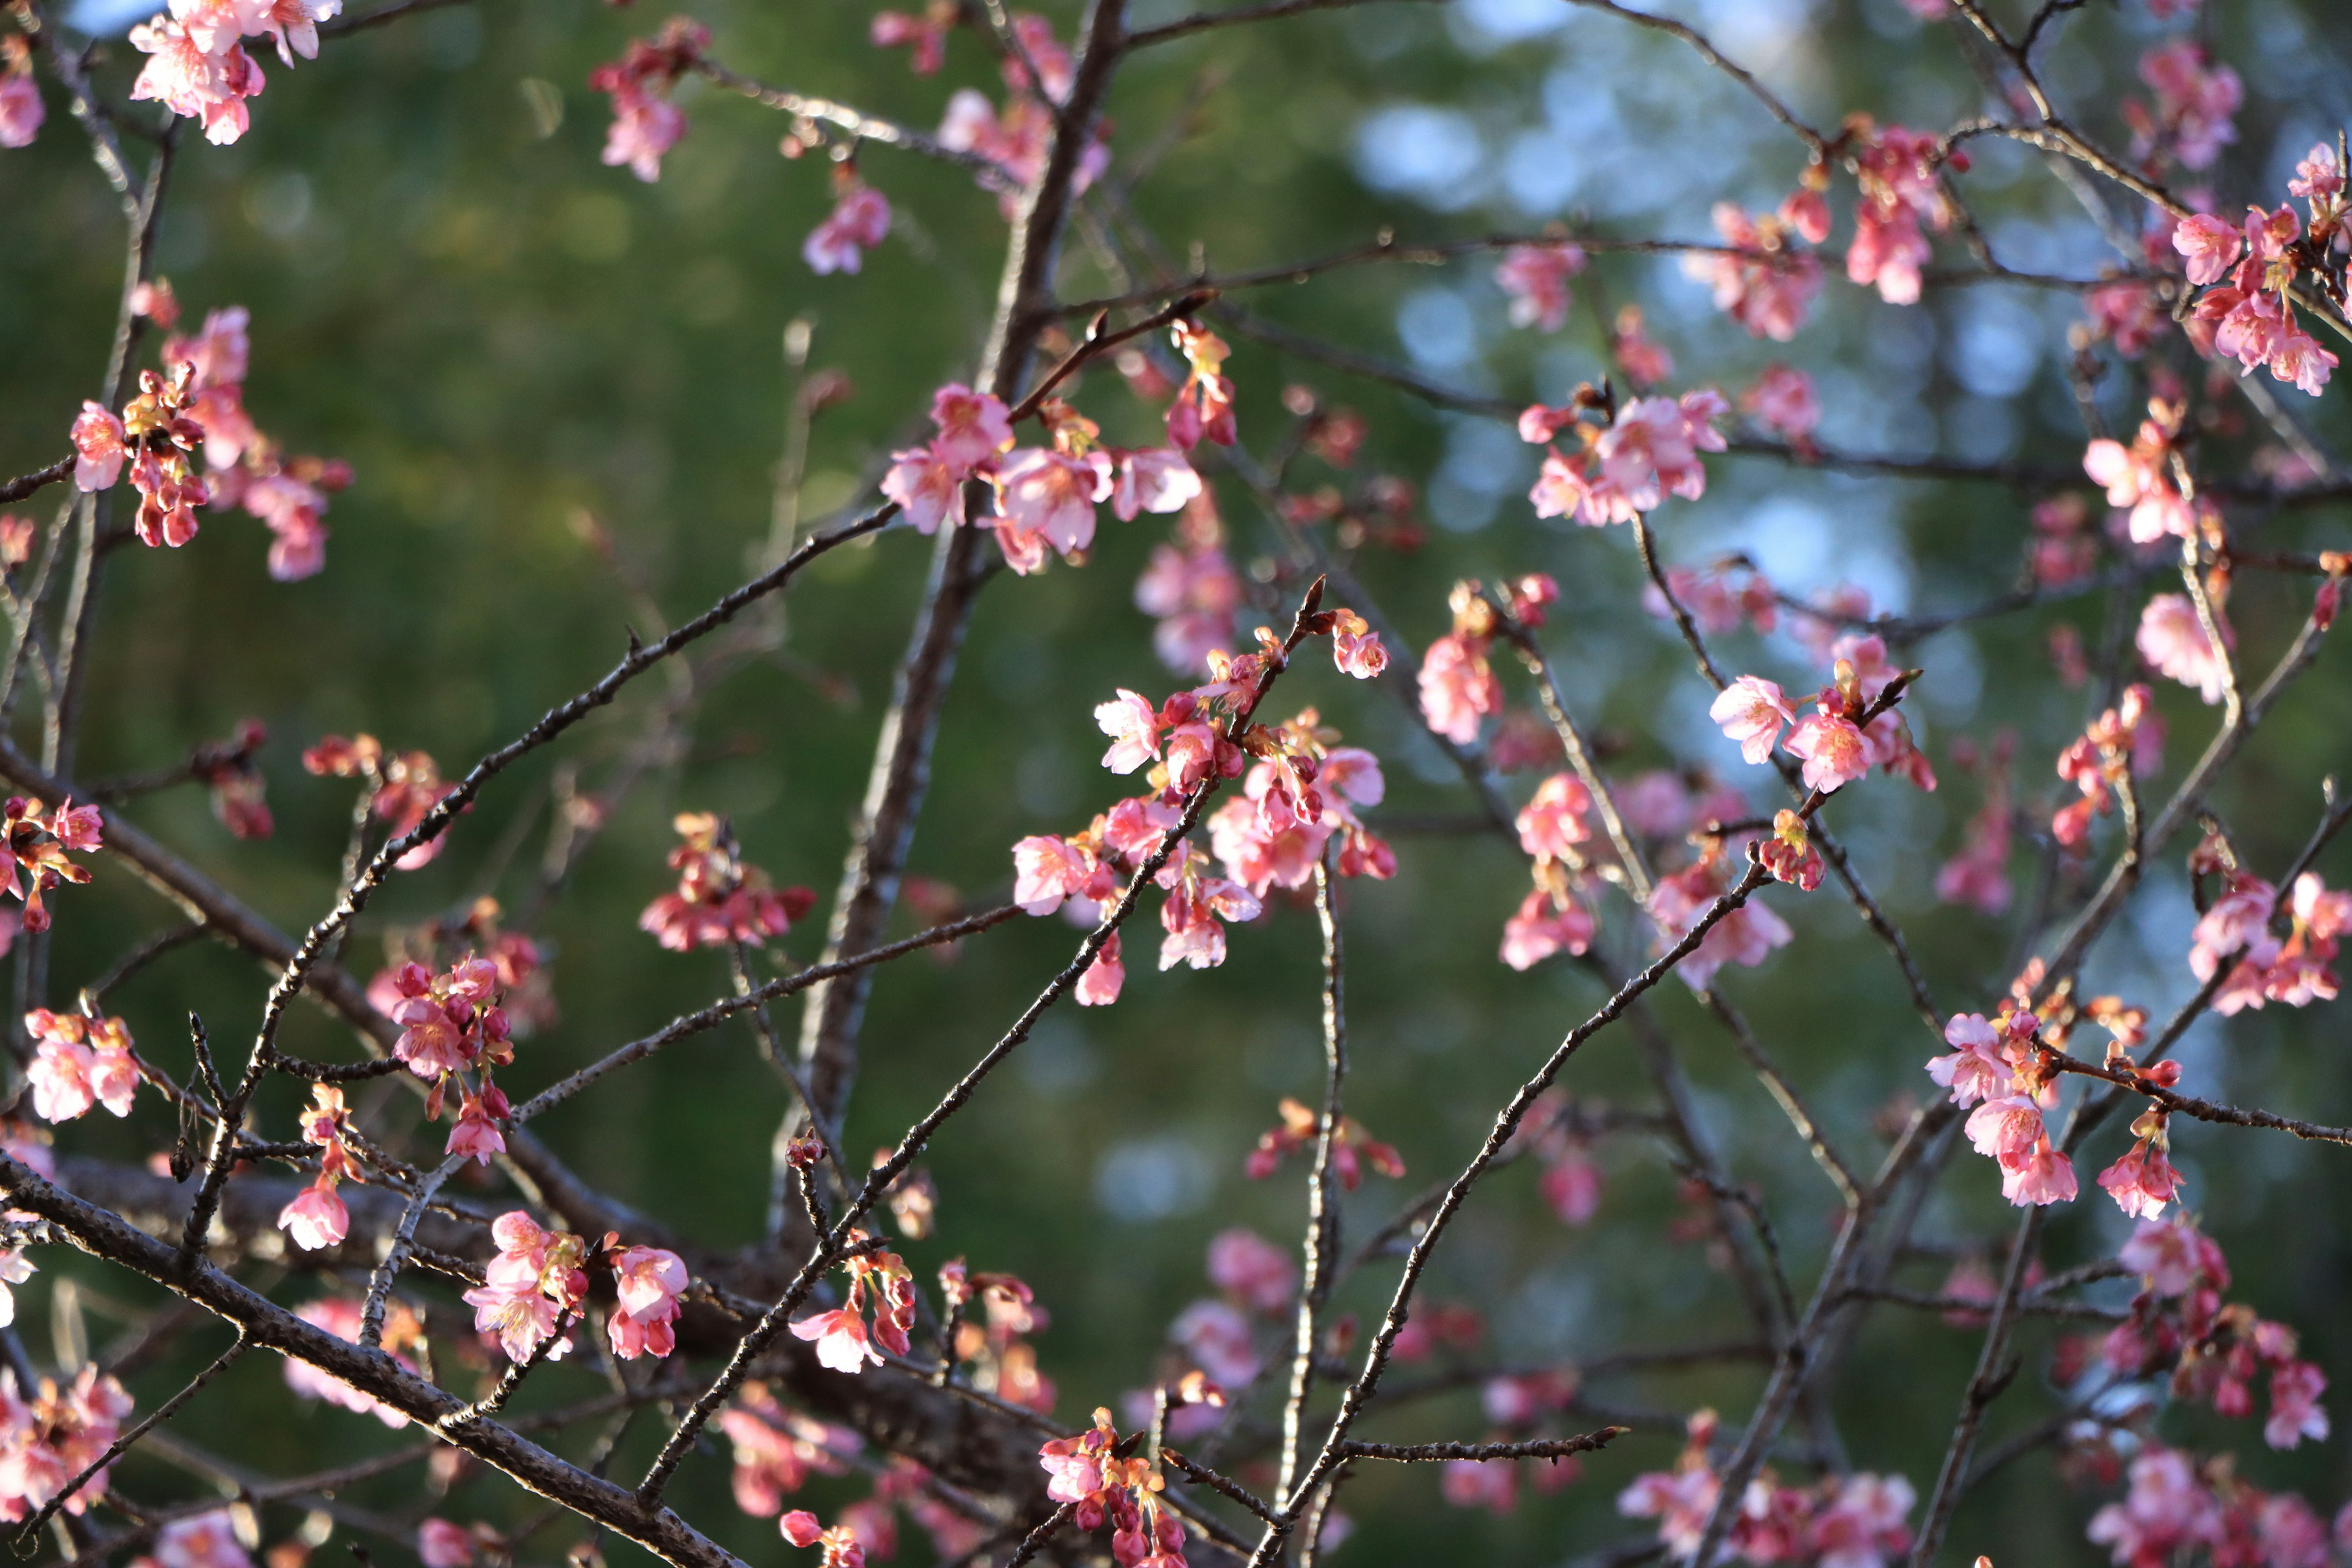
[
  {"x": 538, "y": 1282},
  {"x": 1858, "y": 1521},
  {"x": 1352, "y": 1148},
  {"x": 207, "y": 1541},
  {"x": 1782, "y": 400},
  {"x": 1559, "y": 1141},
  {"x": 841, "y": 1336},
  {"x": 1301, "y": 793},
  {"x": 2196, "y": 103},
  {"x": 777, "y": 1449},
  {"x": 1088, "y": 1474},
  {"x": 1835, "y": 749},
  {"x": 2124, "y": 743},
  {"x": 79, "y": 1062},
  {"x": 34, "y": 845},
  {"x": 1256, "y": 1282},
  {"x": 403, "y": 1337},
  {"x": 994, "y": 1349},
  {"x": 2173, "y": 640},
  {"x": 1536, "y": 278},
  {"x": 720, "y": 897},
  {"x": 860, "y": 221},
  {"x": 196, "y": 408},
  {"x": 1720, "y": 597},
  {"x": 2215, "y": 1350},
  {"x": 1458, "y": 686},
  {"x": 1745, "y": 936},
  {"x": 48, "y": 1436},
  {"x": 451, "y": 1023},
  {"x": 406, "y": 785},
  {"x": 2176, "y": 1509},
  {"x": 2141, "y": 477},
  {"x": 1190, "y": 588},
  {"x": 1015, "y": 141},
  {"x": 646, "y": 123},
  {"x": 316, "y": 1217},
  {"x": 2295, "y": 971},
  {"x": 1550, "y": 918},
  {"x": 198, "y": 66},
  {"x": 1045, "y": 496},
  {"x": 2251, "y": 317},
  {"x": 1766, "y": 283},
  {"x": 1901, "y": 185},
  {"x": 1649, "y": 451}
]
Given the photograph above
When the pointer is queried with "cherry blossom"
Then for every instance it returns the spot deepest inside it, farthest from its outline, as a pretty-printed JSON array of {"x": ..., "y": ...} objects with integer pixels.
[
  {"x": 1156, "y": 480},
  {"x": 647, "y": 1283},
  {"x": 1751, "y": 710},
  {"x": 2172, "y": 639},
  {"x": 537, "y": 1280},
  {"x": 1458, "y": 687},
  {"x": 1745, "y": 936},
  {"x": 1545, "y": 923},
  {"x": 1645, "y": 364},
  {"x": 2195, "y": 103},
  {"x": 776, "y": 1449},
  {"x": 99, "y": 449},
  {"x": 192, "y": 80},
  {"x": 404, "y": 1333},
  {"x": 1353, "y": 1150},
  {"x": 1782, "y": 400},
  {"x": 441, "y": 1544},
  {"x": 720, "y": 897},
  {"x": 1252, "y": 1270},
  {"x": 646, "y": 123},
  {"x": 1203, "y": 409},
  {"x": 1048, "y": 497},
  {"x": 2210, "y": 244},
  {"x": 21, "y": 111},
  {"x": 927, "y": 482},
  {"x": 860, "y": 221},
  {"x": 1191, "y": 589},
  {"x": 843, "y": 1549},
  {"x": 1536, "y": 278},
  {"x": 1769, "y": 286},
  {"x": 925, "y": 38},
  {"x": 842, "y": 1339},
  {"x": 2139, "y": 477},
  {"x": 1552, "y": 822},
  {"x": 80, "y": 1062}
]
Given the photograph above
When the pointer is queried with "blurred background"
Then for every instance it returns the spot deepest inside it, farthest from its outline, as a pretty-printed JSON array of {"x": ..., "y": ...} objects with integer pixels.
[{"x": 566, "y": 396}]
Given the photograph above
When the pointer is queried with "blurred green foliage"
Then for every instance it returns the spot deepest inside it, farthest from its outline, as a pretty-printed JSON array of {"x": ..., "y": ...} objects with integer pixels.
[{"x": 506, "y": 339}]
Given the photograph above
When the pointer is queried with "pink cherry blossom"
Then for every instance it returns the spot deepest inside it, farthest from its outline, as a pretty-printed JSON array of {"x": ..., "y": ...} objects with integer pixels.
[
  {"x": 2006, "y": 1129},
  {"x": 1554, "y": 819},
  {"x": 1536, "y": 278},
  {"x": 1099, "y": 985},
  {"x": 2296, "y": 1388},
  {"x": 1751, "y": 711},
  {"x": 1977, "y": 1070},
  {"x": 2172, "y": 639},
  {"x": 21, "y": 111},
  {"x": 2318, "y": 176},
  {"x": 2142, "y": 1181},
  {"x": 1252, "y": 1270},
  {"x": 2196, "y": 102},
  {"x": 98, "y": 449},
  {"x": 860, "y": 221},
  {"x": 2210, "y": 244},
  {"x": 316, "y": 1218},
  {"x": 1832, "y": 750},
  {"x": 1542, "y": 926},
  {"x": 1458, "y": 689},
  {"x": 1157, "y": 478},
  {"x": 2040, "y": 1177},
  {"x": 1356, "y": 648},
  {"x": 1769, "y": 286},
  {"x": 1052, "y": 496},
  {"x": 1048, "y": 870},
  {"x": 1134, "y": 726},
  {"x": 441, "y": 1544},
  {"x": 1782, "y": 400}
]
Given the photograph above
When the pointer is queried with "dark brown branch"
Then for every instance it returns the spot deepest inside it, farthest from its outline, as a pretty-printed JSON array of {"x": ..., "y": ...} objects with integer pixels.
[
  {"x": 1538, "y": 1449},
  {"x": 1239, "y": 16},
  {"x": 23, "y": 485}
]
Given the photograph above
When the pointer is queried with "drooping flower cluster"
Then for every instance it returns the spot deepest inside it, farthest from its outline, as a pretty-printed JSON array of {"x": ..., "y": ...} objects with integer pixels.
[
  {"x": 1766, "y": 283},
  {"x": 1458, "y": 686},
  {"x": 1998, "y": 1069},
  {"x": 522, "y": 990},
  {"x": 1190, "y": 588},
  {"x": 79, "y": 1062},
  {"x": 860, "y": 221},
  {"x": 451, "y": 1023},
  {"x": 2295, "y": 971},
  {"x": 1203, "y": 409},
  {"x": 198, "y": 66},
  {"x": 48, "y": 1436},
  {"x": 407, "y": 786},
  {"x": 1783, "y": 401},
  {"x": 1745, "y": 936},
  {"x": 1087, "y": 1473},
  {"x": 1560, "y": 1140},
  {"x": 34, "y": 849},
  {"x": 1353, "y": 1150},
  {"x": 403, "y": 1335},
  {"x": 1859, "y": 1521},
  {"x": 2197, "y": 101},
  {"x": 994, "y": 1350},
  {"x": 1720, "y": 597},
  {"x": 532, "y": 1289},
  {"x": 646, "y": 1284},
  {"x": 1901, "y": 186},
  {"x": 646, "y": 123},
  {"x": 1551, "y": 826},
  {"x": 2172, "y": 639},
  {"x": 840, "y": 1334},
  {"x": 2176, "y": 1509},
  {"x": 1649, "y": 451},
  {"x": 1536, "y": 278},
  {"x": 2251, "y": 270},
  {"x": 197, "y": 407},
  {"x": 2126, "y": 741},
  {"x": 2216, "y": 1350},
  {"x": 316, "y": 1217},
  {"x": 721, "y": 898},
  {"x": 777, "y": 1449},
  {"x": 1015, "y": 141},
  {"x": 2140, "y": 476},
  {"x": 1305, "y": 790}
]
